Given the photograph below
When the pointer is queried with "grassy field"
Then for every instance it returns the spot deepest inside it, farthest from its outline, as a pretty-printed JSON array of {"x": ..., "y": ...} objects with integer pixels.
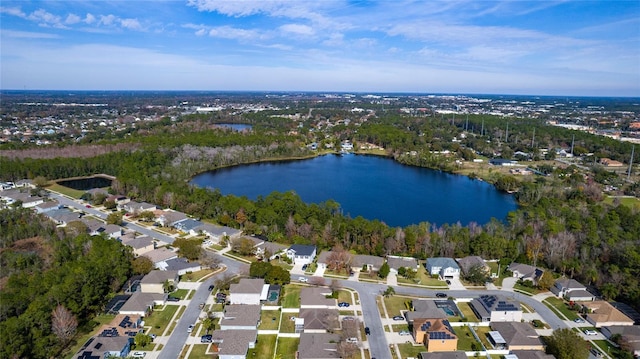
[
  {"x": 286, "y": 324},
  {"x": 465, "y": 339},
  {"x": 344, "y": 296},
  {"x": 269, "y": 320},
  {"x": 180, "y": 293},
  {"x": 81, "y": 339},
  {"x": 629, "y": 202},
  {"x": 483, "y": 333},
  {"x": 199, "y": 351},
  {"x": 291, "y": 296},
  {"x": 286, "y": 348},
  {"x": 74, "y": 193},
  {"x": 466, "y": 310},
  {"x": 561, "y": 306},
  {"x": 158, "y": 320},
  {"x": 265, "y": 347},
  {"x": 396, "y": 304},
  {"x": 196, "y": 276},
  {"x": 408, "y": 350}
]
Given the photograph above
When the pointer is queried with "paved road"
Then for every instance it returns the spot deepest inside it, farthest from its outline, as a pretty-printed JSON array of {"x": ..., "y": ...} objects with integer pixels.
[{"x": 179, "y": 335}]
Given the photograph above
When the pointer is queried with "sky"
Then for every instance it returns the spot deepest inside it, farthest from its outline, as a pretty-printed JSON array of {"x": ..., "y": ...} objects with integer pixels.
[{"x": 542, "y": 47}]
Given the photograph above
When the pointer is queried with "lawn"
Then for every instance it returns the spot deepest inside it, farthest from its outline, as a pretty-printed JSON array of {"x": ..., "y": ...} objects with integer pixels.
[
  {"x": 483, "y": 332},
  {"x": 287, "y": 347},
  {"x": 74, "y": 193},
  {"x": 628, "y": 202},
  {"x": 286, "y": 324},
  {"x": 396, "y": 304},
  {"x": 423, "y": 279},
  {"x": 399, "y": 327},
  {"x": 408, "y": 350},
  {"x": 80, "y": 340},
  {"x": 196, "y": 276},
  {"x": 331, "y": 273},
  {"x": 199, "y": 351},
  {"x": 344, "y": 296},
  {"x": 269, "y": 320},
  {"x": 526, "y": 290},
  {"x": 158, "y": 320},
  {"x": 559, "y": 305},
  {"x": 467, "y": 312},
  {"x": 291, "y": 296},
  {"x": 265, "y": 347},
  {"x": 606, "y": 347},
  {"x": 370, "y": 276},
  {"x": 466, "y": 340},
  {"x": 180, "y": 293}
]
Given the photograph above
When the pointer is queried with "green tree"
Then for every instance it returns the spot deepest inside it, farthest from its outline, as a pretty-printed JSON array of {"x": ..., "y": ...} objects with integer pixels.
[
  {"x": 189, "y": 248},
  {"x": 259, "y": 269},
  {"x": 278, "y": 275},
  {"x": 243, "y": 246},
  {"x": 141, "y": 265},
  {"x": 567, "y": 344},
  {"x": 142, "y": 340},
  {"x": 389, "y": 292},
  {"x": 384, "y": 270},
  {"x": 476, "y": 275},
  {"x": 546, "y": 281},
  {"x": 114, "y": 218},
  {"x": 110, "y": 204}
]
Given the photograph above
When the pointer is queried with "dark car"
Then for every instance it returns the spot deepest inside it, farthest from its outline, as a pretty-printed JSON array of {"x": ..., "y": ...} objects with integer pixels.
[
  {"x": 304, "y": 267},
  {"x": 448, "y": 282},
  {"x": 343, "y": 304},
  {"x": 173, "y": 299},
  {"x": 398, "y": 317},
  {"x": 367, "y": 331},
  {"x": 441, "y": 295},
  {"x": 206, "y": 338},
  {"x": 211, "y": 288}
]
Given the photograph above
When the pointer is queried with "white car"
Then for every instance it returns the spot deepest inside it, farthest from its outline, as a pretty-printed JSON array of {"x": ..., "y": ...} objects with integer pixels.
[
  {"x": 190, "y": 329},
  {"x": 352, "y": 340},
  {"x": 138, "y": 354},
  {"x": 590, "y": 332},
  {"x": 303, "y": 279}
]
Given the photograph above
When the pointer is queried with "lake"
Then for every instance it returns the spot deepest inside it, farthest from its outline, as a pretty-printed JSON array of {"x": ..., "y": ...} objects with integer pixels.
[{"x": 369, "y": 186}]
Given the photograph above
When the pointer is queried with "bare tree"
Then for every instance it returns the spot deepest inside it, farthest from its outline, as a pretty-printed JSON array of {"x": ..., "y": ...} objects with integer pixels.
[
  {"x": 348, "y": 350},
  {"x": 317, "y": 281},
  {"x": 63, "y": 323},
  {"x": 338, "y": 259},
  {"x": 350, "y": 328}
]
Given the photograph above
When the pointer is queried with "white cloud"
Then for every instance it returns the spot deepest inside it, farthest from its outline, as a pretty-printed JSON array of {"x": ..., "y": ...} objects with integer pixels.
[
  {"x": 228, "y": 32},
  {"x": 201, "y": 32},
  {"x": 298, "y": 29},
  {"x": 72, "y": 19},
  {"x": 89, "y": 19},
  {"x": 107, "y": 20},
  {"x": 45, "y": 18},
  {"x": 27, "y": 34},
  {"x": 132, "y": 24},
  {"x": 15, "y": 11}
]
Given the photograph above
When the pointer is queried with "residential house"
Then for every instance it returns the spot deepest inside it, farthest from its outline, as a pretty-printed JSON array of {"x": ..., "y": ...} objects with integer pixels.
[
  {"x": 142, "y": 303},
  {"x": 11, "y": 196},
  {"x": 189, "y": 226},
  {"x": 423, "y": 308},
  {"x": 217, "y": 233},
  {"x": 469, "y": 262},
  {"x": 62, "y": 216},
  {"x": 396, "y": 263},
  {"x": 319, "y": 320},
  {"x": 169, "y": 218},
  {"x": 159, "y": 255},
  {"x": 154, "y": 281},
  {"x": 248, "y": 291},
  {"x": 514, "y": 336},
  {"x": 528, "y": 354},
  {"x": 301, "y": 253},
  {"x": 136, "y": 208},
  {"x": 122, "y": 325},
  {"x": 526, "y": 272},
  {"x": 120, "y": 200},
  {"x": 265, "y": 247},
  {"x": 318, "y": 346},
  {"x": 503, "y": 162},
  {"x": 234, "y": 344},
  {"x": 47, "y": 206},
  {"x": 603, "y": 314},
  {"x": 371, "y": 263},
  {"x": 443, "y": 355},
  {"x": 630, "y": 334},
  {"x": 180, "y": 265},
  {"x": 105, "y": 347},
  {"x": 141, "y": 244},
  {"x": 240, "y": 317},
  {"x": 445, "y": 268},
  {"x": 436, "y": 334},
  {"x": 494, "y": 308},
  {"x": 571, "y": 289},
  {"x": 316, "y": 297}
]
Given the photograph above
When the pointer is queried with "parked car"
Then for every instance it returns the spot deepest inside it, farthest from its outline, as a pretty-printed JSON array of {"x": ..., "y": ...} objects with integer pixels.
[
  {"x": 578, "y": 320},
  {"x": 398, "y": 317},
  {"x": 211, "y": 288},
  {"x": 352, "y": 340},
  {"x": 343, "y": 304},
  {"x": 404, "y": 332},
  {"x": 305, "y": 266},
  {"x": 206, "y": 338},
  {"x": 173, "y": 299},
  {"x": 448, "y": 282},
  {"x": 303, "y": 279},
  {"x": 590, "y": 332},
  {"x": 595, "y": 353},
  {"x": 138, "y": 354},
  {"x": 201, "y": 306},
  {"x": 348, "y": 318},
  {"x": 88, "y": 206},
  {"x": 441, "y": 295},
  {"x": 367, "y": 331},
  {"x": 190, "y": 329}
]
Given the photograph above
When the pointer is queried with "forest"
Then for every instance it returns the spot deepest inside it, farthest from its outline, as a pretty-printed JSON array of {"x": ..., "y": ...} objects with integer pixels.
[{"x": 562, "y": 223}]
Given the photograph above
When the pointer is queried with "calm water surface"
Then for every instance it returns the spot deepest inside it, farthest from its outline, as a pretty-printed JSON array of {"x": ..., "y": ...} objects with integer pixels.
[{"x": 369, "y": 186}]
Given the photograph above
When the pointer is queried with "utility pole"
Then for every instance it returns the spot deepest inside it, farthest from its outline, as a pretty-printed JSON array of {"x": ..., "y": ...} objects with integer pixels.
[
  {"x": 482, "y": 130},
  {"x": 506, "y": 136},
  {"x": 466, "y": 125},
  {"x": 533, "y": 140},
  {"x": 573, "y": 140}
]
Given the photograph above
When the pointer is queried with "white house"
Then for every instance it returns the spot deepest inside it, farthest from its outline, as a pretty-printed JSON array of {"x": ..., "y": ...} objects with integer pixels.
[
  {"x": 446, "y": 268},
  {"x": 301, "y": 254},
  {"x": 248, "y": 291},
  {"x": 571, "y": 289}
]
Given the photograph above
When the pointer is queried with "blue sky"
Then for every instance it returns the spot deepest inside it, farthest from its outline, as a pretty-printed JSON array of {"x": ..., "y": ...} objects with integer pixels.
[{"x": 493, "y": 47}]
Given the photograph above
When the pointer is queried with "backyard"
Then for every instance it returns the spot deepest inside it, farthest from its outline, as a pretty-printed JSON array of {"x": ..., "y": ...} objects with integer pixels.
[
  {"x": 265, "y": 347},
  {"x": 269, "y": 320},
  {"x": 467, "y": 312},
  {"x": 287, "y": 347},
  {"x": 291, "y": 296},
  {"x": 466, "y": 340},
  {"x": 408, "y": 350},
  {"x": 395, "y": 305}
]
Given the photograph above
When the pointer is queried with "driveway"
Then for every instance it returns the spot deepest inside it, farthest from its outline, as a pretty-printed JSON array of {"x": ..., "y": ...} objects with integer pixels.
[
  {"x": 456, "y": 284},
  {"x": 508, "y": 283}
]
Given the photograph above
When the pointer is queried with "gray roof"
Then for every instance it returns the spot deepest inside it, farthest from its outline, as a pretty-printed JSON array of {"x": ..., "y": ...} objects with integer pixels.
[
  {"x": 516, "y": 333},
  {"x": 526, "y": 271},
  {"x": 159, "y": 276},
  {"x": 425, "y": 309},
  {"x": 242, "y": 315},
  {"x": 234, "y": 342},
  {"x": 579, "y": 294},
  {"x": 140, "y": 302},
  {"x": 316, "y": 296},
  {"x": 568, "y": 283},
  {"x": 302, "y": 249},
  {"x": 319, "y": 319},
  {"x": 359, "y": 260},
  {"x": 469, "y": 262},
  {"x": 101, "y": 345},
  {"x": 218, "y": 231},
  {"x": 178, "y": 264},
  {"x": 160, "y": 254},
  {"x": 247, "y": 286},
  {"x": 442, "y": 262},
  {"x": 396, "y": 262},
  {"x": 532, "y": 354},
  {"x": 138, "y": 242},
  {"x": 188, "y": 225},
  {"x": 318, "y": 346},
  {"x": 443, "y": 355},
  {"x": 63, "y": 215}
]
